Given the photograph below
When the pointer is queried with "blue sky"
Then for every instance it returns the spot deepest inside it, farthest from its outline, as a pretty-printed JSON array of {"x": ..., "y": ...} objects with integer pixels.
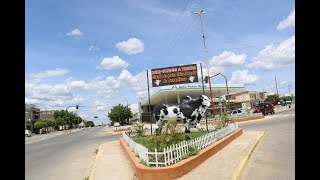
[{"x": 95, "y": 53}]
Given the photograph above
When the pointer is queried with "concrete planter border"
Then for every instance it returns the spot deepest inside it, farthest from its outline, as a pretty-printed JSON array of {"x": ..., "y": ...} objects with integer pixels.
[{"x": 179, "y": 169}]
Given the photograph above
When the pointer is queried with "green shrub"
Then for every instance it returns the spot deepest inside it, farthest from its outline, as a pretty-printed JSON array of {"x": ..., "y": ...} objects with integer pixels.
[
  {"x": 138, "y": 129},
  {"x": 170, "y": 127},
  {"x": 192, "y": 151},
  {"x": 164, "y": 140}
]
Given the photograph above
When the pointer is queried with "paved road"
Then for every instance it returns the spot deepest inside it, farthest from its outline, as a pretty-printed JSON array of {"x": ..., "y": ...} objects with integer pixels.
[
  {"x": 65, "y": 157},
  {"x": 274, "y": 156}
]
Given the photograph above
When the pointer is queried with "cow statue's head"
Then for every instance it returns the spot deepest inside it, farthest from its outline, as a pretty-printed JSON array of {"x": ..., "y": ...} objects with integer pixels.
[{"x": 205, "y": 100}]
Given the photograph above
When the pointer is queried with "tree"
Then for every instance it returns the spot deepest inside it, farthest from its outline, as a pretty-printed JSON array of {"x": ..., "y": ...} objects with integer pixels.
[
  {"x": 287, "y": 98},
  {"x": 60, "y": 121},
  {"x": 40, "y": 124},
  {"x": 48, "y": 122},
  {"x": 120, "y": 114},
  {"x": 272, "y": 97},
  {"x": 89, "y": 123},
  {"x": 68, "y": 117}
]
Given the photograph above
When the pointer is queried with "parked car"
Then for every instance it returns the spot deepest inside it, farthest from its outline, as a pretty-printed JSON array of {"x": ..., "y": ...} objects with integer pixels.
[
  {"x": 282, "y": 102},
  {"x": 27, "y": 133},
  {"x": 116, "y": 124},
  {"x": 264, "y": 108},
  {"x": 236, "y": 112}
]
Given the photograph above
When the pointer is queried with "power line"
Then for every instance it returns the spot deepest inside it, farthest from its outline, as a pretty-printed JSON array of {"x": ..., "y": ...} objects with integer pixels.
[{"x": 173, "y": 42}]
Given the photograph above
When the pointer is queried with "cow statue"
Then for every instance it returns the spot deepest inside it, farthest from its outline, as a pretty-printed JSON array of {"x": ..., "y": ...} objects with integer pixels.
[{"x": 189, "y": 110}]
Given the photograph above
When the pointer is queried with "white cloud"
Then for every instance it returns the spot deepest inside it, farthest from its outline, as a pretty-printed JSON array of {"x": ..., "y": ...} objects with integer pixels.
[
  {"x": 94, "y": 48},
  {"x": 113, "y": 63},
  {"x": 100, "y": 106},
  {"x": 48, "y": 73},
  {"x": 288, "y": 22},
  {"x": 228, "y": 59},
  {"x": 106, "y": 88},
  {"x": 75, "y": 32},
  {"x": 273, "y": 57},
  {"x": 138, "y": 83},
  {"x": 243, "y": 77},
  {"x": 125, "y": 77},
  {"x": 77, "y": 84},
  {"x": 213, "y": 69},
  {"x": 49, "y": 96},
  {"x": 132, "y": 46},
  {"x": 172, "y": 13},
  {"x": 59, "y": 95}
]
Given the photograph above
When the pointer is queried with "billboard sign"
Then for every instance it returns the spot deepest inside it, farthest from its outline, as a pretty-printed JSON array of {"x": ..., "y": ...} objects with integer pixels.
[{"x": 174, "y": 75}]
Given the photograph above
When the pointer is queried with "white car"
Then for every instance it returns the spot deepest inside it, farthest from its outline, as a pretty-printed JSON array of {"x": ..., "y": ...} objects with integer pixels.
[
  {"x": 27, "y": 133},
  {"x": 116, "y": 124}
]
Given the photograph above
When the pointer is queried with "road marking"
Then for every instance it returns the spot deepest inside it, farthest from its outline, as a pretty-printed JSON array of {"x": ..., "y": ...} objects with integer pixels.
[
  {"x": 286, "y": 115},
  {"x": 239, "y": 171},
  {"x": 293, "y": 114}
]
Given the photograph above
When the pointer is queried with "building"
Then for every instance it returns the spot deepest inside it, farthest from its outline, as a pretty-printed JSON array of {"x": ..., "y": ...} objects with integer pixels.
[
  {"x": 245, "y": 99},
  {"x": 136, "y": 113},
  {"x": 47, "y": 114},
  {"x": 32, "y": 114},
  {"x": 175, "y": 93}
]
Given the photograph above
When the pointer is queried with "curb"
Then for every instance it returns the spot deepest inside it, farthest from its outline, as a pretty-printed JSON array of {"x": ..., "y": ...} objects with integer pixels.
[
  {"x": 238, "y": 173},
  {"x": 93, "y": 167}
]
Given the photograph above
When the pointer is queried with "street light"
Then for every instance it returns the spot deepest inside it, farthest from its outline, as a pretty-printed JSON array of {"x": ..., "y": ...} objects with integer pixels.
[
  {"x": 206, "y": 54},
  {"x": 226, "y": 86},
  {"x": 77, "y": 107}
]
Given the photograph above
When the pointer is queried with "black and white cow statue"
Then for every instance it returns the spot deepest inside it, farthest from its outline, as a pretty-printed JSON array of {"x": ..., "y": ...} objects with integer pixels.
[{"x": 189, "y": 110}]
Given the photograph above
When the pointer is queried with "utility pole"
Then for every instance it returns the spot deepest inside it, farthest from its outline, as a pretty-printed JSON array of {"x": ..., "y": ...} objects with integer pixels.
[
  {"x": 289, "y": 86},
  {"x": 127, "y": 108},
  {"x": 275, "y": 77},
  {"x": 207, "y": 61}
]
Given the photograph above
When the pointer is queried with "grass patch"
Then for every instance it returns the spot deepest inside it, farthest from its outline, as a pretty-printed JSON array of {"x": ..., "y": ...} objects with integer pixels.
[
  {"x": 96, "y": 151},
  {"x": 87, "y": 178}
]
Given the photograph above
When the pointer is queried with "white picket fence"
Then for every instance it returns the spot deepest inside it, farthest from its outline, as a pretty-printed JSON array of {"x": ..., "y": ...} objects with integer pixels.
[{"x": 175, "y": 153}]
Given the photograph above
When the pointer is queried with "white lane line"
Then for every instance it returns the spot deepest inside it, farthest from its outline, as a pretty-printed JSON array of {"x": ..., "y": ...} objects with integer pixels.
[
  {"x": 286, "y": 115},
  {"x": 292, "y": 114}
]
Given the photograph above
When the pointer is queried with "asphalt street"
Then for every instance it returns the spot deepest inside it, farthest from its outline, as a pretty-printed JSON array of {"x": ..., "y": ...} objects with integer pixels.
[
  {"x": 65, "y": 157},
  {"x": 274, "y": 156}
]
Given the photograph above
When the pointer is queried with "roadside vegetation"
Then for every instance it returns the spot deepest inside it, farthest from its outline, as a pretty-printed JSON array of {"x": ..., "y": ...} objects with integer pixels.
[
  {"x": 61, "y": 118},
  {"x": 169, "y": 135},
  {"x": 120, "y": 114}
]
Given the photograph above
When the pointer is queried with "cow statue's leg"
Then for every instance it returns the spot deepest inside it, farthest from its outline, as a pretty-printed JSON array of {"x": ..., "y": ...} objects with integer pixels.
[
  {"x": 186, "y": 125},
  {"x": 159, "y": 124},
  {"x": 198, "y": 121},
  {"x": 158, "y": 116}
]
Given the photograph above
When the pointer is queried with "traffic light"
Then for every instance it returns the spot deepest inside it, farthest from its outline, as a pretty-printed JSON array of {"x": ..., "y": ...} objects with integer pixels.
[
  {"x": 206, "y": 79},
  {"x": 77, "y": 106}
]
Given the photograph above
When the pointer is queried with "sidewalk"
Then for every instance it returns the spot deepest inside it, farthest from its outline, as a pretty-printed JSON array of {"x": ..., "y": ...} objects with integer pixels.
[
  {"x": 111, "y": 162},
  {"x": 279, "y": 108}
]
